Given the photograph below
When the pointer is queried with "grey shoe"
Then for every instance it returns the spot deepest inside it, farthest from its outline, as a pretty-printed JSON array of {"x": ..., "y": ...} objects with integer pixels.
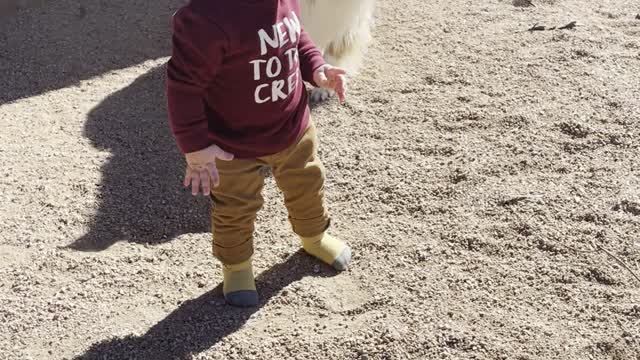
[
  {"x": 342, "y": 262},
  {"x": 242, "y": 298}
]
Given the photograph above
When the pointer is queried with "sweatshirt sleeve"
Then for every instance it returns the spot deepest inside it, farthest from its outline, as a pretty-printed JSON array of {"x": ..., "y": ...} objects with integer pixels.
[
  {"x": 310, "y": 57},
  {"x": 196, "y": 56}
]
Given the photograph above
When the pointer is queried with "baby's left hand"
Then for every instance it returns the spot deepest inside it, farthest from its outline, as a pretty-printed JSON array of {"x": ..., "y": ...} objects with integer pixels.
[{"x": 332, "y": 78}]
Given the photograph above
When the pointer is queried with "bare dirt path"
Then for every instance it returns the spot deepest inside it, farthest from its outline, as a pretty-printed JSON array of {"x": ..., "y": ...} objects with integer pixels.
[{"x": 475, "y": 169}]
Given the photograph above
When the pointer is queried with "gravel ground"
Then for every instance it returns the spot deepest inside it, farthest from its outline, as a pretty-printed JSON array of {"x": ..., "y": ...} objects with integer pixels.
[{"x": 486, "y": 176}]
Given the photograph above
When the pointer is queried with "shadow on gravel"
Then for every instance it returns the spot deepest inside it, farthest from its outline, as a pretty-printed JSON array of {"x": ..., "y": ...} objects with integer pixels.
[
  {"x": 199, "y": 324},
  {"x": 47, "y": 45},
  {"x": 141, "y": 198}
]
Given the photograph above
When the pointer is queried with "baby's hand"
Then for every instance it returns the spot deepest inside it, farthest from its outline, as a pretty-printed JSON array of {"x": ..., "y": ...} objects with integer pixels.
[
  {"x": 332, "y": 78},
  {"x": 201, "y": 169}
]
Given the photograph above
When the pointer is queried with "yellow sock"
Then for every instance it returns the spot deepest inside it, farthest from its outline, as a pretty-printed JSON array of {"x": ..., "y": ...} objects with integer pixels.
[
  {"x": 328, "y": 249},
  {"x": 239, "y": 287}
]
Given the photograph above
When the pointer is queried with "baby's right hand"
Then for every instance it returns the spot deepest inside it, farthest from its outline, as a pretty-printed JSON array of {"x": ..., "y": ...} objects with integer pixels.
[{"x": 201, "y": 169}]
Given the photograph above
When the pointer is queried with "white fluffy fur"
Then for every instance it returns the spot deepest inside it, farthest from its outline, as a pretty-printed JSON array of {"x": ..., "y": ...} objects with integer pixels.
[{"x": 341, "y": 29}]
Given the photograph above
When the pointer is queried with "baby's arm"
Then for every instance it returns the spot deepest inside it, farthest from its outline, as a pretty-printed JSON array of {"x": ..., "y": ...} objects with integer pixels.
[
  {"x": 310, "y": 58},
  {"x": 316, "y": 71},
  {"x": 196, "y": 57}
]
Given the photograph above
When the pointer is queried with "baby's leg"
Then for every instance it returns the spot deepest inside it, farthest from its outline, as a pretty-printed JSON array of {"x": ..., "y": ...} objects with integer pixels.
[
  {"x": 236, "y": 202},
  {"x": 300, "y": 175}
]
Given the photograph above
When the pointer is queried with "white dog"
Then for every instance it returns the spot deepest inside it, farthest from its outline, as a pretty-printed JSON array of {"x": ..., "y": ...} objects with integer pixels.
[{"x": 341, "y": 29}]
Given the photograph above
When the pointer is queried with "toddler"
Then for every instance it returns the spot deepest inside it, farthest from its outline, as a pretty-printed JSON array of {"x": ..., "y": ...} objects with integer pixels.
[{"x": 237, "y": 103}]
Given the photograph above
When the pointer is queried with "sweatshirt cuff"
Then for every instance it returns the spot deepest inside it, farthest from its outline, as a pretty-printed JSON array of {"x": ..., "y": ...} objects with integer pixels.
[
  {"x": 310, "y": 69},
  {"x": 191, "y": 142}
]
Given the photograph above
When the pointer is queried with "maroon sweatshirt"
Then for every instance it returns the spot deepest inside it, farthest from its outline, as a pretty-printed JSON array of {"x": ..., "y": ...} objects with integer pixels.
[{"x": 235, "y": 77}]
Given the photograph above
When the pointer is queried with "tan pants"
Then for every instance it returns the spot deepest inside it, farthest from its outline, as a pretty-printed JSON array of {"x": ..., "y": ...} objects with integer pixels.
[{"x": 300, "y": 176}]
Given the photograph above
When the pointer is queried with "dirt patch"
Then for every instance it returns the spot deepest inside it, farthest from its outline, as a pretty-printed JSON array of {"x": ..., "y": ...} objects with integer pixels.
[
  {"x": 11, "y": 7},
  {"x": 473, "y": 170}
]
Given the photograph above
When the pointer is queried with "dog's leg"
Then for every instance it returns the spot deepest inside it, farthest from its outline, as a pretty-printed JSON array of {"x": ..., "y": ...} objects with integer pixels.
[{"x": 347, "y": 52}]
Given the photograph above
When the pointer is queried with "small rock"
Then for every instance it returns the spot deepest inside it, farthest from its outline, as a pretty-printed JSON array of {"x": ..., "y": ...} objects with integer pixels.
[
  {"x": 316, "y": 269},
  {"x": 522, "y": 3}
]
